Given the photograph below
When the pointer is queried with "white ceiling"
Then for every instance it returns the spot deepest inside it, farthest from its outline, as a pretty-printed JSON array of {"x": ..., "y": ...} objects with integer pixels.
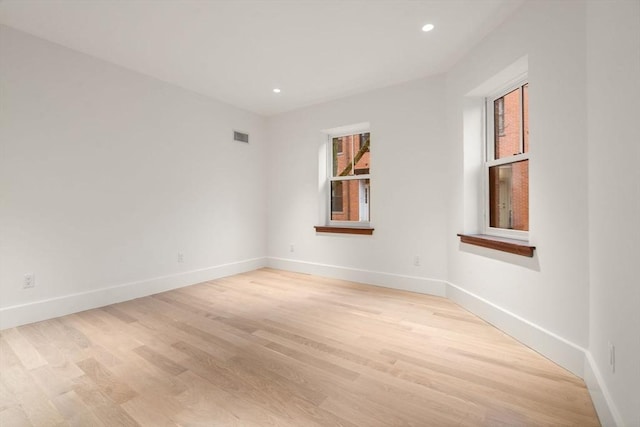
[{"x": 238, "y": 51}]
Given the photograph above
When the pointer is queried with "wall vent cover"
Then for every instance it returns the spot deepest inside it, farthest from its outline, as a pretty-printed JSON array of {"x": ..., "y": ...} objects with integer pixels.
[{"x": 240, "y": 136}]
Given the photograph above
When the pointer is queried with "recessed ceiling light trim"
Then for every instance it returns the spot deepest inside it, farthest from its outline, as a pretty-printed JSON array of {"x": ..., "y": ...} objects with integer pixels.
[
  {"x": 276, "y": 90},
  {"x": 427, "y": 27}
]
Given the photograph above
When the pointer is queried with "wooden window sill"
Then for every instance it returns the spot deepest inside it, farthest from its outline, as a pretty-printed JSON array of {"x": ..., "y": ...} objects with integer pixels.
[
  {"x": 513, "y": 246},
  {"x": 343, "y": 230}
]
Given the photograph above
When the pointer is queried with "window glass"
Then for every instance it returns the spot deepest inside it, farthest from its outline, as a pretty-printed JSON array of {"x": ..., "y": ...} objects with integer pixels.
[
  {"x": 509, "y": 196},
  {"x": 508, "y": 167},
  {"x": 349, "y": 180},
  {"x": 337, "y": 196},
  {"x": 507, "y": 119},
  {"x": 351, "y": 155},
  {"x": 350, "y": 200}
]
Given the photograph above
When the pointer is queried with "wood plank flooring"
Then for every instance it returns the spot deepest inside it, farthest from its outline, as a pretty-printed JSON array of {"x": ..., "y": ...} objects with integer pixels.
[{"x": 273, "y": 348}]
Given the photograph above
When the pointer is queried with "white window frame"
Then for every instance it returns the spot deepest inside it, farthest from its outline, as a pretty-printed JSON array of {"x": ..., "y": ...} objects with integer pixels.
[
  {"x": 490, "y": 160},
  {"x": 330, "y": 178}
]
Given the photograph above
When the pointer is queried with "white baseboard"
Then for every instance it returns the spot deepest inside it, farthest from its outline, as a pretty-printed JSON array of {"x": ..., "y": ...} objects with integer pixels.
[
  {"x": 561, "y": 351},
  {"x": 606, "y": 409},
  {"x": 570, "y": 356},
  {"x": 565, "y": 353},
  {"x": 388, "y": 280},
  {"x": 54, "y": 307}
]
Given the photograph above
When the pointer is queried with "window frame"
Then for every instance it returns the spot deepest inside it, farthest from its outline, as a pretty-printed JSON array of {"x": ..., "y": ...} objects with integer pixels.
[
  {"x": 491, "y": 161},
  {"x": 331, "y": 178}
]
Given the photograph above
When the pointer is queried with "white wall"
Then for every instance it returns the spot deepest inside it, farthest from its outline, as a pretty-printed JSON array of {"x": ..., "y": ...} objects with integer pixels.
[
  {"x": 408, "y": 189},
  {"x": 417, "y": 210},
  {"x": 613, "y": 88},
  {"x": 543, "y": 301},
  {"x": 106, "y": 174}
]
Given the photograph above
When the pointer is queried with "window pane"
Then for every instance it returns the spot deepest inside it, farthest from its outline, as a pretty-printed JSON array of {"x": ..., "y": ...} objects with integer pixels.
[
  {"x": 509, "y": 196},
  {"x": 351, "y": 155},
  {"x": 337, "y": 191},
  {"x": 506, "y": 121},
  {"x": 350, "y": 200}
]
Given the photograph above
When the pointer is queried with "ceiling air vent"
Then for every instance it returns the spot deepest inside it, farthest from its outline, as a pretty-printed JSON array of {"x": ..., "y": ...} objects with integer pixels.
[{"x": 240, "y": 136}]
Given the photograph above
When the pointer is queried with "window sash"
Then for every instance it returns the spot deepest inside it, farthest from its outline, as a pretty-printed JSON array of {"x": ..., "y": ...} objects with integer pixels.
[
  {"x": 350, "y": 177},
  {"x": 491, "y": 161},
  {"x": 496, "y": 231},
  {"x": 346, "y": 207},
  {"x": 505, "y": 160},
  {"x": 490, "y": 119},
  {"x": 347, "y": 178}
]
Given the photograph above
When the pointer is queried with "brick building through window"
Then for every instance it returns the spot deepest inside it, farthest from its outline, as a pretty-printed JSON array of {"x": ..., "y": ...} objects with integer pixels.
[
  {"x": 508, "y": 163},
  {"x": 350, "y": 183}
]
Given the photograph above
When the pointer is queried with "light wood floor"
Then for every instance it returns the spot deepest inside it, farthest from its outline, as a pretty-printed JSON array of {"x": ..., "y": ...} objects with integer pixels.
[{"x": 277, "y": 348}]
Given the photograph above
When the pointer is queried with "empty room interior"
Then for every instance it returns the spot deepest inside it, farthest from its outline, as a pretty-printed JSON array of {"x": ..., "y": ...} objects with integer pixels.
[{"x": 353, "y": 213}]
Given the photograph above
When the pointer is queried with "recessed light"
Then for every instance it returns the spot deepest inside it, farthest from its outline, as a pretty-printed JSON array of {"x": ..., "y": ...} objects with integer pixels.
[
  {"x": 276, "y": 90},
  {"x": 428, "y": 27}
]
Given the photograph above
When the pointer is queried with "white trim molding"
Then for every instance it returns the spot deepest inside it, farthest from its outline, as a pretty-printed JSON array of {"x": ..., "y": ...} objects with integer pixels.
[
  {"x": 559, "y": 350},
  {"x": 552, "y": 346},
  {"x": 388, "y": 280},
  {"x": 73, "y": 303},
  {"x": 605, "y": 407}
]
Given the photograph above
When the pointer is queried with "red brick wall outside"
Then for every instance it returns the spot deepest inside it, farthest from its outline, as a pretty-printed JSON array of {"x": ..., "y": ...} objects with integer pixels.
[
  {"x": 350, "y": 189},
  {"x": 507, "y": 143}
]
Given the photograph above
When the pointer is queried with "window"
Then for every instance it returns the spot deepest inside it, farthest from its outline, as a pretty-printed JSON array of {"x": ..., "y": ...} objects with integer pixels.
[
  {"x": 349, "y": 178},
  {"x": 507, "y": 164},
  {"x": 496, "y": 162}
]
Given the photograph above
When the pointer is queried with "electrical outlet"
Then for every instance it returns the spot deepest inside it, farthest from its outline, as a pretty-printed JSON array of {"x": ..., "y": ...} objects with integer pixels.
[
  {"x": 180, "y": 257},
  {"x": 292, "y": 248},
  {"x": 29, "y": 281},
  {"x": 612, "y": 357},
  {"x": 416, "y": 261}
]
